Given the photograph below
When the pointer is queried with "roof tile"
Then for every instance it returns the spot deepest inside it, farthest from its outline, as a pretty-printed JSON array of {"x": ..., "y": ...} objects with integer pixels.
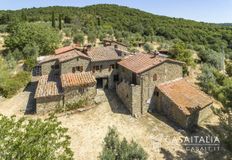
[{"x": 186, "y": 96}]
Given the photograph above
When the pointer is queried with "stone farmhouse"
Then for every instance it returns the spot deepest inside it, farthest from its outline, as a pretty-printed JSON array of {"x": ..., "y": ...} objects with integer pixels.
[{"x": 143, "y": 82}]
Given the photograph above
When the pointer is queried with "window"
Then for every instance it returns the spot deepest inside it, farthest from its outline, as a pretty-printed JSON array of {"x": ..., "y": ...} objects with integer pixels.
[
  {"x": 101, "y": 68},
  {"x": 77, "y": 59},
  {"x": 77, "y": 68},
  {"x": 56, "y": 66},
  {"x": 156, "y": 93},
  {"x": 93, "y": 69},
  {"x": 97, "y": 68},
  {"x": 37, "y": 71},
  {"x": 116, "y": 78},
  {"x": 111, "y": 67},
  {"x": 155, "y": 77}
]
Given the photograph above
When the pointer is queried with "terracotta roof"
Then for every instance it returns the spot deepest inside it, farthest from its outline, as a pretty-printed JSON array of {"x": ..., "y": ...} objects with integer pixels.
[
  {"x": 186, "y": 96},
  {"x": 47, "y": 87},
  {"x": 77, "y": 79},
  {"x": 64, "y": 56},
  {"x": 65, "y": 49},
  {"x": 141, "y": 62},
  {"x": 103, "y": 54}
]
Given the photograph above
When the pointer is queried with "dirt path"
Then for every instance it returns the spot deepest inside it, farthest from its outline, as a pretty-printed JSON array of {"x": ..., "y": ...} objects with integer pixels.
[{"x": 18, "y": 103}]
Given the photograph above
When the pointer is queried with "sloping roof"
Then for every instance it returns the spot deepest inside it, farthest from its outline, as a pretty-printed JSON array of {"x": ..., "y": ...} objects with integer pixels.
[
  {"x": 77, "y": 79},
  {"x": 103, "y": 54},
  {"x": 47, "y": 87},
  {"x": 68, "y": 55},
  {"x": 67, "y": 48},
  {"x": 141, "y": 62},
  {"x": 186, "y": 96}
]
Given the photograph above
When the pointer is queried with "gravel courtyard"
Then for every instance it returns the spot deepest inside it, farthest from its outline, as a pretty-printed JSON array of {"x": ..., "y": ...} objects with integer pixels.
[{"x": 87, "y": 129}]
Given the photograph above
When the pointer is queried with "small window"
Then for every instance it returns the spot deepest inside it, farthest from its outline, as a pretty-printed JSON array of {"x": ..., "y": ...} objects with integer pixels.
[
  {"x": 93, "y": 69},
  {"x": 77, "y": 58},
  {"x": 155, "y": 77},
  {"x": 116, "y": 78},
  {"x": 97, "y": 68},
  {"x": 157, "y": 94},
  {"x": 101, "y": 67},
  {"x": 73, "y": 69}
]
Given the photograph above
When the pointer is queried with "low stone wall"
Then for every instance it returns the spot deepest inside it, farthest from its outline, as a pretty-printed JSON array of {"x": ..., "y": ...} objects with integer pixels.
[
  {"x": 73, "y": 95},
  {"x": 48, "y": 104},
  {"x": 130, "y": 95},
  {"x": 204, "y": 114}
]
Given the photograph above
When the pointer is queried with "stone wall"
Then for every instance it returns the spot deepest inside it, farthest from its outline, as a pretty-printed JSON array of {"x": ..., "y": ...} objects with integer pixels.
[
  {"x": 105, "y": 72},
  {"x": 46, "y": 68},
  {"x": 204, "y": 114},
  {"x": 66, "y": 67},
  {"x": 72, "y": 95},
  {"x": 130, "y": 95},
  {"x": 165, "y": 72},
  {"x": 164, "y": 105},
  {"x": 48, "y": 104}
]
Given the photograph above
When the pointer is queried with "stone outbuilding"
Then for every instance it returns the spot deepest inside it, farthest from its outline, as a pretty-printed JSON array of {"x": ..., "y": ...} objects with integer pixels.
[
  {"x": 182, "y": 102},
  {"x": 138, "y": 74}
]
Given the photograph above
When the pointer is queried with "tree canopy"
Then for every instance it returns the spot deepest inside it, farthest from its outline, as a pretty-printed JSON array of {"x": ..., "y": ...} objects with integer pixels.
[
  {"x": 24, "y": 34},
  {"x": 33, "y": 139}
]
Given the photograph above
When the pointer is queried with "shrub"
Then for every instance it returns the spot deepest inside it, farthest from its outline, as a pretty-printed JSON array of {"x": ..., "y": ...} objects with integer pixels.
[
  {"x": 9, "y": 86},
  {"x": 114, "y": 149},
  {"x": 78, "y": 38},
  {"x": 148, "y": 48},
  {"x": 66, "y": 42}
]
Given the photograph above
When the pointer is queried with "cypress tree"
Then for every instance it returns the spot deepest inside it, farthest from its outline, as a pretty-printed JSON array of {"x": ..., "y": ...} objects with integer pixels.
[
  {"x": 53, "y": 20},
  {"x": 60, "y": 21}
]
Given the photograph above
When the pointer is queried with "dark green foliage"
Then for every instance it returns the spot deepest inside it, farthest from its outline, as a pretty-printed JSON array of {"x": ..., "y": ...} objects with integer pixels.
[
  {"x": 220, "y": 87},
  {"x": 91, "y": 37},
  {"x": 148, "y": 47},
  {"x": 66, "y": 42},
  {"x": 60, "y": 21},
  {"x": 229, "y": 68},
  {"x": 78, "y": 38},
  {"x": 114, "y": 149},
  {"x": 53, "y": 20},
  {"x": 211, "y": 57},
  {"x": 23, "y": 34},
  {"x": 10, "y": 85},
  {"x": 33, "y": 139}
]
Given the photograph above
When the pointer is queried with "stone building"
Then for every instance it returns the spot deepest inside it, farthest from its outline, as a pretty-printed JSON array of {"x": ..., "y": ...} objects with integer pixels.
[
  {"x": 53, "y": 91},
  {"x": 182, "y": 102},
  {"x": 69, "y": 65},
  {"x": 140, "y": 73},
  {"x": 143, "y": 82},
  {"x": 142, "y": 77}
]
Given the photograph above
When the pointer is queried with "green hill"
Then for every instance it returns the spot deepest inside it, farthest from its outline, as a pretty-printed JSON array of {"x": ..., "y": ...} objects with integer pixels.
[{"x": 123, "y": 21}]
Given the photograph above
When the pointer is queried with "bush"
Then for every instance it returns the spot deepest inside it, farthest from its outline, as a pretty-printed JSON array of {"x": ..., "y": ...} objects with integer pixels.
[
  {"x": 33, "y": 139},
  {"x": 10, "y": 85},
  {"x": 78, "y": 38},
  {"x": 66, "y": 42},
  {"x": 148, "y": 48},
  {"x": 71, "y": 106},
  {"x": 114, "y": 149}
]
